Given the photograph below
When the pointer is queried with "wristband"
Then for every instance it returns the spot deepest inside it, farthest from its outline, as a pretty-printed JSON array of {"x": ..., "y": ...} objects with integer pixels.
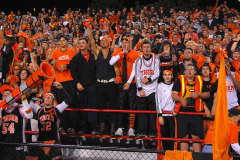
[
  {"x": 119, "y": 79},
  {"x": 88, "y": 26}
]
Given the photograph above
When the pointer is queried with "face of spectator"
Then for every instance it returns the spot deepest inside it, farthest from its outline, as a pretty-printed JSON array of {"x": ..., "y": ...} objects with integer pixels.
[
  {"x": 22, "y": 40},
  {"x": 6, "y": 94},
  {"x": 199, "y": 48},
  {"x": 167, "y": 76},
  {"x": 146, "y": 48},
  {"x": 125, "y": 45},
  {"x": 63, "y": 42},
  {"x": 209, "y": 17},
  {"x": 205, "y": 71},
  {"x": 83, "y": 44},
  {"x": 166, "y": 47},
  {"x": 174, "y": 38},
  {"x": 190, "y": 71},
  {"x": 23, "y": 75},
  {"x": 236, "y": 56},
  {"x": 191, "y": 45},
  {"x": 16, "y": 70},
  {"x": 48, "y": 100},
  {"x": 188, "y": 54},
  {"x": 45, "y": 46},
  {"x": 104, "y": 43}
]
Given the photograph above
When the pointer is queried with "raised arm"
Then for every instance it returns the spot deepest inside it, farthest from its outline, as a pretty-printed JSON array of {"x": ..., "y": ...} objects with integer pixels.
[
  {"x": 26, "y": 110},
  {"x": 91, "y": 40}
]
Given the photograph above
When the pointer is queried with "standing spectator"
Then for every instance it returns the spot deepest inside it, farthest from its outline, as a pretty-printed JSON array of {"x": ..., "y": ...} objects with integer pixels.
[
  {"x": 125, "y": 58},
  {"x": 13, "y": 125},
  {"x": 188, "y": 59},
  {"x": 165, "y": 102},
  {"x": 136, "y": 36},
  {"x": 188, "y": 92},
  {"x": 106, "y": 88},
  {"x": 48, "y": 122},
  {"x": 210, "y": 22},
  {"x": 83, "y": 71},
  {"x": 147, "y": 73},
  {"x": 61, "y": 59}
]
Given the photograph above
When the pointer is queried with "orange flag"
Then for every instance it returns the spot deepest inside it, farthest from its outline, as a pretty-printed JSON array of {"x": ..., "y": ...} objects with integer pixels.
[{"x": 221, "y": 140}]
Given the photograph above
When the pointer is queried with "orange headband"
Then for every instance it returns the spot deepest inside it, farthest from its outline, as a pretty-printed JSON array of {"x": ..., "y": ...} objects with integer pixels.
[
  {"x": 109, "y": 42},
  {"x": 167, "y": 71}
]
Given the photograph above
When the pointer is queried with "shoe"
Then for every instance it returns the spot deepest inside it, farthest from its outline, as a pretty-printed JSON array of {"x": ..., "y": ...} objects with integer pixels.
[
  {"x": 131, "y": 133},
  {"x": 102, "y": 128},
  {"x": 141, "y": 135},
  {"x": 70, "y": 131},
  {"x": 81, "y": 132},
  {"x": 95, "y": 133},
  {"x": 112, "y": 130},
  {"x": 119, "y": 132},
  {"x": 61, "y": 130},
  {"x": 152, "y": 135}
]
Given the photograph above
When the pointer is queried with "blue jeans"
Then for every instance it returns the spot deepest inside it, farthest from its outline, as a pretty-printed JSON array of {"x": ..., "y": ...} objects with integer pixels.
[{"x": 207, "y": 149}]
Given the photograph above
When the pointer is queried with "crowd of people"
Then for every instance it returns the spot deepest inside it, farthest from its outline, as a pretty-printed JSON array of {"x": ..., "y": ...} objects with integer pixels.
[{"x": 155, "y": 59}]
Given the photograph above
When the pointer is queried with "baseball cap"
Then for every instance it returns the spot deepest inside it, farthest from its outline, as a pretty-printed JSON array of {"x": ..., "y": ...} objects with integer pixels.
[
  {"x": 234, "y": 111},
  {"x": 5, "y": 87}
]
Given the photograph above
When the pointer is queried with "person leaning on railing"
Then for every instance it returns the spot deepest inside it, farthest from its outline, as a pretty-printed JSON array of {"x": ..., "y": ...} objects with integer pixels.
[{"x": 188, "y": 91}]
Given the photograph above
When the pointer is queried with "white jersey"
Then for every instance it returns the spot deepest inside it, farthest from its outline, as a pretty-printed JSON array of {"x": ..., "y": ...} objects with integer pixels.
[
  {"x": 232, "y": 98},
  {"x": 147, "y": 69},
  {"x": 164, "y": 100}
]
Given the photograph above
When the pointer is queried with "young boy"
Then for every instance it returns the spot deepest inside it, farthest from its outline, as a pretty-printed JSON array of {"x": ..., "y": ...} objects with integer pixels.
[{"x": 164, "y": 102}]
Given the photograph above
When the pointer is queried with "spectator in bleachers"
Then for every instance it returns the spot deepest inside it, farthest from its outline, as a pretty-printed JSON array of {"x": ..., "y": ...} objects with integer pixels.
[
  {"x": 188, "y": 94},
  {"x": 125, "y": 58},
  {"x": 146, "y": 75}
]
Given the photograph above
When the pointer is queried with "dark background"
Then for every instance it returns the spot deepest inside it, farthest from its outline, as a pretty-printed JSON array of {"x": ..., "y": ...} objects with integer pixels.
[{"x": 63, "y": 5}]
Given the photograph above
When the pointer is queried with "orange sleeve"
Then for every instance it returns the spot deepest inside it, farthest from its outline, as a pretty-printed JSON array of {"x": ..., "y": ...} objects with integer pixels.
[
  {"x": 196, "y": 57},
  {"x": 233, "y": 133},
  {"x": 237, "y": 76},
  {"x": 116, "y": 52},
  {"x": 181, "y": 58},
  {"x": 201, "y": 61},
  {"x": 214, "y": 78},
  {"x": 213, "y": 9}
]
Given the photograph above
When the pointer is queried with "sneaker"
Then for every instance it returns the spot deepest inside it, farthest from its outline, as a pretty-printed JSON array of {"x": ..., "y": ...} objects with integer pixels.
[
  {"x": 131, "y": 132},
  {"x": 141, "y": 135},
  {"x": 119, "y": 132},
  {"x": 152, "y": 135},
  {"x": 61, "y": 130},
  {"x": 70, "y": 131}
]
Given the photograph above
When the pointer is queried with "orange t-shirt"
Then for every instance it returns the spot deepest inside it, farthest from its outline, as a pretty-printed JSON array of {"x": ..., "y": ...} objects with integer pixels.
[
  {"x": 13, "y": 80},
  {"x": 233, "y": 133},
  {"x": 196, "y": 57},
  {"x": 63, "y": 58},
  {"x": 130, "y": 59}
]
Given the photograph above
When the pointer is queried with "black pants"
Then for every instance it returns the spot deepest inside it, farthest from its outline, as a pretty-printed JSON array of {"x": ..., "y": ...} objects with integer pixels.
[
  {"x": 124, "y": 95},
  {"x": 107, "y": 98},
  {"x": 168, "y": 130},
  {"x": 67, "y": 119},
  {"x": 146, "y": 121},
  {"x": 87, "y": 99}
]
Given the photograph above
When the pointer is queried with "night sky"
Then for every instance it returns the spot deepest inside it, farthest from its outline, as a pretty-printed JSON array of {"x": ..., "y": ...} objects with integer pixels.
[{"x": 62, "y": 6}]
